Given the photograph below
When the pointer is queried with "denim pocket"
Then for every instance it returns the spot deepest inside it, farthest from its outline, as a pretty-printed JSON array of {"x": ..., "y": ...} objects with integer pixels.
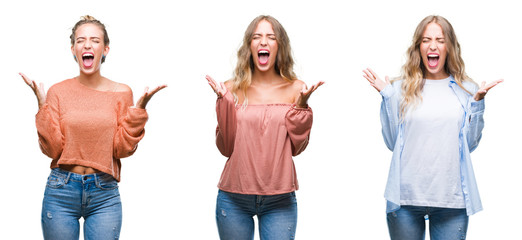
[
  {"x": 107, "y": 182},
  {"x": 55, "y": 181}
]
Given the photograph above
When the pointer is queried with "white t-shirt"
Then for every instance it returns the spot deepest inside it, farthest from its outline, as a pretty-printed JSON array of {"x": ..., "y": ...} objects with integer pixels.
[{"x": 430, "y": 167}]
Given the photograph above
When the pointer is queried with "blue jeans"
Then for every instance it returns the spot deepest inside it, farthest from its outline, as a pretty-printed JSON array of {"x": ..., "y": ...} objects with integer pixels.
[
  {"x": 408, "y": 223},
  {"x": 276, "y": 214},
  {"x": 70, "y": 196}
]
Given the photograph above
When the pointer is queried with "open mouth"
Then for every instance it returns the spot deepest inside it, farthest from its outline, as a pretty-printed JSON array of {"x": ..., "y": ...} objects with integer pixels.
[
  {"x": 88, "y": 59},
  {"x": 263, "y": 56},
  {"x": 433, "y": 60}
]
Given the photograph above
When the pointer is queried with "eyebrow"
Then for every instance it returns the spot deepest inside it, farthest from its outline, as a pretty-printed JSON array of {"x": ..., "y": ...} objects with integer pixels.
[
  {"x": 87, "y": 37},
  {"x": 269, "y": 34},
  {"x": 435, "y": 38}
]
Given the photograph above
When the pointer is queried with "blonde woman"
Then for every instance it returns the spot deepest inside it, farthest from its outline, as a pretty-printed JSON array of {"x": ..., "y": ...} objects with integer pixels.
[
  {"x": 263, "y": 120},
  {"x": 432, "y": 118},
  {"x": 86, "y": 124}
]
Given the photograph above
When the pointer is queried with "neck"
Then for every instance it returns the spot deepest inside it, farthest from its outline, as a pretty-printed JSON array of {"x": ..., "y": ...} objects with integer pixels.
[
  {"x": 93, "y": 80},
  {"x": 437, "y": 76},
  {"x": 265, "y": 77}
]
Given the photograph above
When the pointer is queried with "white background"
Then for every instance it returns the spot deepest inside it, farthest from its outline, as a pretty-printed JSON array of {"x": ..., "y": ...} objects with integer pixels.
[{"x": 169, "y": 188}]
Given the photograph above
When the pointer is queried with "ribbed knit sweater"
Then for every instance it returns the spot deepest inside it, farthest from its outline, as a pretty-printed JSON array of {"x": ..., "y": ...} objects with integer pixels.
[{"x": 78, "y": 125}]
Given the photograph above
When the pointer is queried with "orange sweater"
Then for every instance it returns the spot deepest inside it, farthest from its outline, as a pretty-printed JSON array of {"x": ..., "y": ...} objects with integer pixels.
[{"x": 82, "y": 126}]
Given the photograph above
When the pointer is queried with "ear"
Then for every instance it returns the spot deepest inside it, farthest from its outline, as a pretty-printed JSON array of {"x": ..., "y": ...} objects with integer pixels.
[
  {"x": 74, "y": 55},
  {"x": 106, "y": 51}
]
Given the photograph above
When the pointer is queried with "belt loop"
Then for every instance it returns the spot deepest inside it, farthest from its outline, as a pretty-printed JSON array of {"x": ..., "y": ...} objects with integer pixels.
[
  {"x": 67, "y": 178},
  {"x": 95, "y": 176}
]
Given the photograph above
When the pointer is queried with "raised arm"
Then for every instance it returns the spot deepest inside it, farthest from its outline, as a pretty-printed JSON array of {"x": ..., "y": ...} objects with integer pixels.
[
  {"x": 476, "y": 119},
  {"x": 226, "y": 116},
  {"x": 299, "y": 119},
  {"x": 389, "y": 106},
  {"x": 50, "y": 137}
]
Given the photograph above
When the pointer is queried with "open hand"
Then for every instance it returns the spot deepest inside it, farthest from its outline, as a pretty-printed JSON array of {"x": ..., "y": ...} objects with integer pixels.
[
  {"x": 374, "y": 80},
  {"x": 304, "y": 95},
  {"x": 38, "y": 89},
  {"x": 484, "y": 88},
  {"x": 218, "y": 88},
  {"x": 147, "y": 95}
]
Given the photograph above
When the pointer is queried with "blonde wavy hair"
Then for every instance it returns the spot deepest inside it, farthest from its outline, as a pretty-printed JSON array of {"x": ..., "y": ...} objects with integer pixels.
[
  {"x": 284, "y": 64},
  {"x": 413, "y": 71}
]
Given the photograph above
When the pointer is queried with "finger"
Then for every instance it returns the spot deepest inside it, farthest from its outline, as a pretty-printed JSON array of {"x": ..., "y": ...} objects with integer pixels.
[
  {"x": 312, "y": 89},
  {"x": 315, "y": 86},
  {"x": 371, "y": 81},
  {"x": 387, "y": 79},
  {"x": 157, "y": 89},
  {"x": 26, "y": 79},
  {"x": 374, "y": 75},
  {"x": 304, "y": 88},
  {"x": 367, "y": 74},
  {"x": 148, "y": 95},
  {"x": 302, "y": 92},
  {"x": 213, "y": 84},
  {"x": 211, "y": 80},
  {"x": 146, "y": 91},
  {"x": 494, "y": 83}
]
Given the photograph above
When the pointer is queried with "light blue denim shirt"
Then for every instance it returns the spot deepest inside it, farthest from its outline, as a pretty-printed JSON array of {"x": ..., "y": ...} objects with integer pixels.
[{"x": 469, "y": 137}]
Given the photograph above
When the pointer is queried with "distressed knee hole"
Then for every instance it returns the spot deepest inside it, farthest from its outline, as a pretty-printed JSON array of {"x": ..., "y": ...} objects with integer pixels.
[
  {"x": 223, "y": 212},
  {"x": 49, "y": 215}
]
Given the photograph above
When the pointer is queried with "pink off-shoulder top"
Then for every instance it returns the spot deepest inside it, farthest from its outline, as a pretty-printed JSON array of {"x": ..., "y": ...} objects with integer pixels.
[{"x": 260, "y": 140}]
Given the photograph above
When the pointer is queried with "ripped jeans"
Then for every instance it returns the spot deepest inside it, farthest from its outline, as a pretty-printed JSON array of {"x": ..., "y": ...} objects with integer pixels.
[
  {"x": 70, "y": 196},
  {"x": 409, "y": 223},
  {"x": 276, "y": 214}
]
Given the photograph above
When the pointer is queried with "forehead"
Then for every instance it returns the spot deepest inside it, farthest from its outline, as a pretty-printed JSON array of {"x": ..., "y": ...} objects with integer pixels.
[
  {"x": 89, "y": 30},
  {"x": 264, "y": 27},
  {"x": 433, "y": 29}
]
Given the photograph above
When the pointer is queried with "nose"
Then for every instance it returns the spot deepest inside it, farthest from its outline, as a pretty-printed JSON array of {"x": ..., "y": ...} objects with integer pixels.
[
  {"x": 433, "y": 46},
  {"x": 87, "y": 44},
  {"x": 264, "y": 41}
]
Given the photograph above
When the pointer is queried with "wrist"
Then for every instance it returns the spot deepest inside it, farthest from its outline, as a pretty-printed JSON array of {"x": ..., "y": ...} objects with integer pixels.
[{"x": 301, "y": 106}]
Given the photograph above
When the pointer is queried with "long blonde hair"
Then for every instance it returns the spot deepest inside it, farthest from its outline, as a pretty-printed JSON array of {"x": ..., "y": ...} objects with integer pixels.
[
  {"x": 284, "y": 64},
  {"x": 413, "y": 71}
]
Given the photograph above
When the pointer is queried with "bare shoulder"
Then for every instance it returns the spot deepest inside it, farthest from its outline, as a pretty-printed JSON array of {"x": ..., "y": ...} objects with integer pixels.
[
  {"x": 121, "y": 87},
  {"x": 113, "y": 86},
  {"x": 297, "y": 86},
  {"x": 229, "y": 84}
]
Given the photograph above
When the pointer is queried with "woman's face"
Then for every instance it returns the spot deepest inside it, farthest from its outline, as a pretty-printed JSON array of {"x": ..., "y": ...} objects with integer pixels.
[
  {"x": 264, "y": 46},
  {"x": 433, "y": 52},
  {"x": 89, "y": 48}
]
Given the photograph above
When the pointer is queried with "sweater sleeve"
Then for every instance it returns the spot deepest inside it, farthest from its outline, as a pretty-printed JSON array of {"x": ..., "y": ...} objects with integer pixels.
[
  {"x": 131, "y": 128},
  {"x": 50, "y": 137},
  {"x": 227, "y": 124},
  {"x": 299, "y": 124}
]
